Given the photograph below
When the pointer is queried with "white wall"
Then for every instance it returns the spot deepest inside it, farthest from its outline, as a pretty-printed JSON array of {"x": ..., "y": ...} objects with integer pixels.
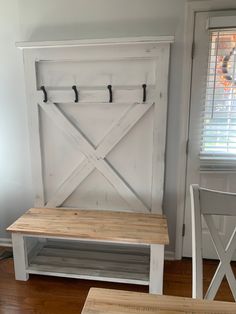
[
  {"x": 15, "y": 180},
  {"x": 71, "y": 19}
]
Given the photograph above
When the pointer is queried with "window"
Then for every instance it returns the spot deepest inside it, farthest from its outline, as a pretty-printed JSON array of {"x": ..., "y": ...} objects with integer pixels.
[{"x": 218, "y": 132}]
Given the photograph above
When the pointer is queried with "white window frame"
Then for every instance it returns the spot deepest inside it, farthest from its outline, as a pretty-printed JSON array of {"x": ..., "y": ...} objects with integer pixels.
[{"x": 218, "y": 161}]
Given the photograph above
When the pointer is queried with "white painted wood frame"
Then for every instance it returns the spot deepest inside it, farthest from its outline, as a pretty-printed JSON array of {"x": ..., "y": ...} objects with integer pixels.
[
  {"x": 156, "y": 269},
  {"x": 47, "y": 264},
  {"x": 149, "y": 50},
  {"x": 20, "y": 257}
]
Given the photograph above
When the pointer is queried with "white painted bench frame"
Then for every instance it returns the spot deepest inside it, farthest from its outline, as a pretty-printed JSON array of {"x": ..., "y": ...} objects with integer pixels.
[
  {"x": 22, "y": 271},
  {"x": 157, "y": 48},
  {"x": 206, "y": 203}
]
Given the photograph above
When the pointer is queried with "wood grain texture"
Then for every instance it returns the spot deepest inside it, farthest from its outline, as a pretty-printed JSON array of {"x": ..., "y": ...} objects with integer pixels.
[
  {"x": 94, "y": 225},
  {"x": 53, "y": 295},
  {"x": 97, "y": 261},
  {"x": 101, "y": 301}
]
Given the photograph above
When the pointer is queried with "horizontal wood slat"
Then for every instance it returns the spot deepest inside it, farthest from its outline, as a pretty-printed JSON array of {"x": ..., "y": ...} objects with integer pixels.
[
  {"x": 94, "y": 225},
  {"x": 101, "y": 301},
  {"x": 108, "y": 261}
]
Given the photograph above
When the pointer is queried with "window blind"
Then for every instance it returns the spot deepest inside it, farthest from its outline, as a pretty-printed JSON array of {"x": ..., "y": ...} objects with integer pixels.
[{"x": 218, "y": 115}]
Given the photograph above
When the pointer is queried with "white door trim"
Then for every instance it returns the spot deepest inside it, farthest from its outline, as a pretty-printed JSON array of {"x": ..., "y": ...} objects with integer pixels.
[{"x": 190, "y": 10}]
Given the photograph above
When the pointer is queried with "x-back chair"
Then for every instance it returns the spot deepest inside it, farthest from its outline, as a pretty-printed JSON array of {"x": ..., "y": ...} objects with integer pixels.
[{"x": 206, "y": 203}]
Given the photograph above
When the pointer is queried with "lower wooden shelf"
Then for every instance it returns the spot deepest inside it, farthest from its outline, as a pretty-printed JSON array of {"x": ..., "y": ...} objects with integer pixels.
[{"x": 89, "y": 260}]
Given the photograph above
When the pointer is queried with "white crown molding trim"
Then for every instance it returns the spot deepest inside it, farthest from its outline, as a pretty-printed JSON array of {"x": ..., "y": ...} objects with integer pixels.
[{"x": 92, "y": 42}]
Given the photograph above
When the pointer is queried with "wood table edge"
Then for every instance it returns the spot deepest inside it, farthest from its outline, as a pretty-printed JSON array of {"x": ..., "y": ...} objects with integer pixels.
[{"x": 93, "y": 294}]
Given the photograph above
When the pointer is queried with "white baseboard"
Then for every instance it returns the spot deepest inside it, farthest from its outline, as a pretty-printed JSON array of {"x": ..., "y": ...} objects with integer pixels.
[
  {"x": 169, "y": 255},
  {"x": 5, "y": 242}
]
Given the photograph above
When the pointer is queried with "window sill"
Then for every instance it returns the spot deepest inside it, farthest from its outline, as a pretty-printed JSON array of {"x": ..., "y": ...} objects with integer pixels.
[{"x": 217, "y": 164}]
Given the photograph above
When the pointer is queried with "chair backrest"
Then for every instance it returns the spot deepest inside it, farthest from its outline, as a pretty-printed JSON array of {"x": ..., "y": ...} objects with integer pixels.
[{"x": 206, "y": 203}]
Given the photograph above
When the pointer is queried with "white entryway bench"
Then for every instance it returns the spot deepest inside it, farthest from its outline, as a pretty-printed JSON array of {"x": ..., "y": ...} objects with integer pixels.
[
  {"x": 97, "y": 112},
  {"x": 99, "y": 245}
]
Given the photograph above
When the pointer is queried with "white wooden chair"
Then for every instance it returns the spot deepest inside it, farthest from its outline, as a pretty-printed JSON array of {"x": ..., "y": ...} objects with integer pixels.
[{"x": 206, "y": 203}]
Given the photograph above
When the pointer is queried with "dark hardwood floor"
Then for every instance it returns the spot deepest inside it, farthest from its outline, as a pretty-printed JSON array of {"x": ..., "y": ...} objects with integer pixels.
[{"x": 43, "y": 294}]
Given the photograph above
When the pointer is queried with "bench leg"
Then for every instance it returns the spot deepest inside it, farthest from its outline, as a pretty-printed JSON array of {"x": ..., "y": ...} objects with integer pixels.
[
  {"x": 20, "y": 257},
  {"x": 156, "y": 269}
]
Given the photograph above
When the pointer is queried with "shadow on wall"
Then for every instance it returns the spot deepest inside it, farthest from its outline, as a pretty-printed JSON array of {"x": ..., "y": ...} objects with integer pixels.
[
  {"x": 15, "y": 199},
  {"x": 137, "y": 27}
]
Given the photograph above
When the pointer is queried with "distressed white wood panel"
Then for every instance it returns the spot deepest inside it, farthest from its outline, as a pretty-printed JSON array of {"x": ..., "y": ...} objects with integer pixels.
[
  {"x": 34, "y": 130},
  {"x": 133, "y": 162},
  {"x": 70, "y": 184},
  {"x": 96, "y": 73},
  {"x": 128, "y": 155},
  {"x": 99, "y": 53},
  {"x": 159, "y": 129},
  {"x": 94, "y": 119},
  {"x": 57, "y": 150},
  {"x": 92, "y": 154},
  {"x": 96, "y": 192}
]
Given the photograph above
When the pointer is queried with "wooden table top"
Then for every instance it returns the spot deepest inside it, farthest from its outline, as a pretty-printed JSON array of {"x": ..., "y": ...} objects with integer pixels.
[
  {"x": 103, "y": 301},
  {"x": 111, "y": 226}
]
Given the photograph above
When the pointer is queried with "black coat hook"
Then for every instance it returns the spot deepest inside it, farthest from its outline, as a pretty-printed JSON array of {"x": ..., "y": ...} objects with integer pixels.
[
  {"x": 110, "y": 93},
  {"x": 144, "y": 92},
  {"x": 76, "y": 93},
  {"x": 45, "y": 94}
]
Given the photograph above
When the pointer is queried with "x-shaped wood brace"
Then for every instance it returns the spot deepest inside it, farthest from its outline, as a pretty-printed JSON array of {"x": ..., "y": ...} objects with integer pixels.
[
  {"x": 225, "y": 256},
  {"x": 95, "y": 157}
]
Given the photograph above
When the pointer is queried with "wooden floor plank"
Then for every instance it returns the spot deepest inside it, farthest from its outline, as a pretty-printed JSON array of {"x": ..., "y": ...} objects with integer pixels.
[{"x": 53, "y": 295}]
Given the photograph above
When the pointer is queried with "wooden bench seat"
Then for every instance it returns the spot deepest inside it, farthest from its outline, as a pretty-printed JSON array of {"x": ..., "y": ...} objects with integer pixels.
[
  {"x": 94, "y": 225},
  {"x": 103, "y": 301},
  {"x": 100, "y": 245}
]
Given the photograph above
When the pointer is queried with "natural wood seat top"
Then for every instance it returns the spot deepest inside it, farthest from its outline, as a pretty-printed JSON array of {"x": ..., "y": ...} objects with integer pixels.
[
  {"x": 103, "y": 301},
  {"x": 94, "y": 224}
]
